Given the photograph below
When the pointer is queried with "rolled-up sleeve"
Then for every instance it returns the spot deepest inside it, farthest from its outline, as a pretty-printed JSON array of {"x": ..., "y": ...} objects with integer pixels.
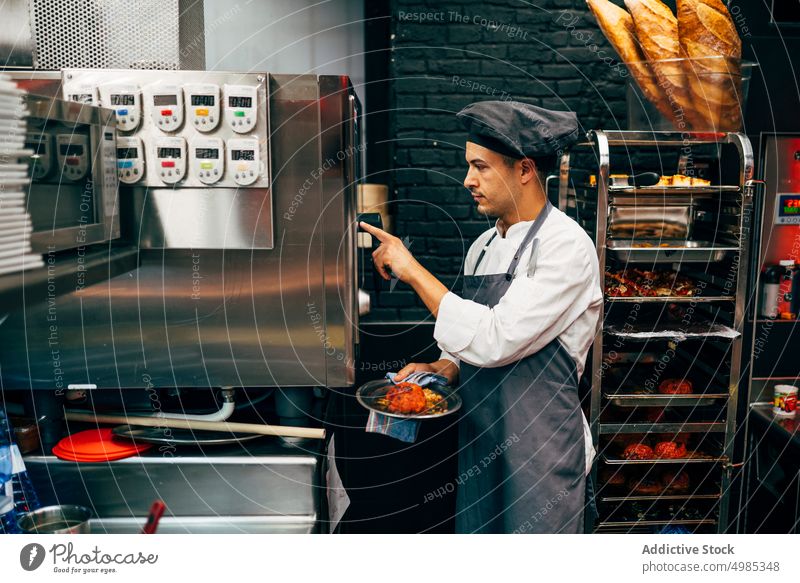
[
  {"x": 534, "y": 311},
  {"x": 447, "y": 356}
]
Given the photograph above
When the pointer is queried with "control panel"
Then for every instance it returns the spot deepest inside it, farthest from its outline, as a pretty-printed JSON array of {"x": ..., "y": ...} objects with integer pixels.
[
  {"x": 787, "y": 209},
  {"x": 42, "y": 159},
  {"x": 130, "y": 159},
  {"x": 72, "y": 153}
]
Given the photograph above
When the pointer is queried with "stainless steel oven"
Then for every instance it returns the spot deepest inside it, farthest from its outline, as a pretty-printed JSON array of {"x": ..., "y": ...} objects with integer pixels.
[
  {"x": 73, "y": 195},
  {"x": 243, "y": 280}
]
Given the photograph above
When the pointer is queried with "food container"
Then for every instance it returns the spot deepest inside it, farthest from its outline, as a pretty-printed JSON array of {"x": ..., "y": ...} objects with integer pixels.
[
  {"x": 63, "y": 519},
  {"x": 26, "y": 433},
  {"x": 784, "y": 402},
  {"x": 667, "y": 251},
  {"x": 650, "y": 222},
  {"x": 700, "y": 95}
]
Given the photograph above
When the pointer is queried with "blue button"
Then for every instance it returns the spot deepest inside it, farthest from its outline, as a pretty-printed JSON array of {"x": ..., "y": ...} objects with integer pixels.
[
  {"x": 125, "y": 164},
  {"x": 122, "y": 112}
]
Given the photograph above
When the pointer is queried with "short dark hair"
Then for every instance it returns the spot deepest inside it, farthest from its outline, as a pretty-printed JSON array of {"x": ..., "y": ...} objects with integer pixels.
[{"x": 544, "y": 164}]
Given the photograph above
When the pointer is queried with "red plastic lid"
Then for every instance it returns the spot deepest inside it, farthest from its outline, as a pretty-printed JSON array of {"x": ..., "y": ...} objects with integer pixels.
[{"x": 97, "y": 445}]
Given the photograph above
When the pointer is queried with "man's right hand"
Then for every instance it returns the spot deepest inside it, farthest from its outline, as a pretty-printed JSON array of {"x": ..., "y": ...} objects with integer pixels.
[{"x": 446, "y": 368}]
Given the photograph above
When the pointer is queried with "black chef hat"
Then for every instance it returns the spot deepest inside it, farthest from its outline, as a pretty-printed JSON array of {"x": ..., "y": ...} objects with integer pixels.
[{"x": 519, "y": 130}]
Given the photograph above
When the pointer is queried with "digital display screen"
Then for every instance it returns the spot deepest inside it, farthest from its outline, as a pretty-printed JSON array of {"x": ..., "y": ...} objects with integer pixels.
[
  {"x": 207, "y": 100},
  {"x": 127, "y": 153},
  {"x": 243, "y": 155},
  {"x": 789, "y": 205},
  {"x": 168, "y": 152},
  {"x": 239, "y": 101},
  {"x": 123, "y": 99},
  {"x": 81, "y": 97},
  {"x": 38, "y": 147},
  {"x": 70, "y": 150},
  {"x": 165, "y": 100},
  {"x": 207, "y": 153}
]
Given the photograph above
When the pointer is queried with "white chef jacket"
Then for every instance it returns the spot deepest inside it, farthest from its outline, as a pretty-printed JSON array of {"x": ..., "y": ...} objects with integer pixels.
[{"x": 555, "y": 294}]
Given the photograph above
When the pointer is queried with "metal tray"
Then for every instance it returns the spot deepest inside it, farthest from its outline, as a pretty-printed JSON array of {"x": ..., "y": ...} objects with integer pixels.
[
  {"x": 662, "y": 221},
  {"x": 621, "y": 189},
  {"x": 678, "y": 522},
  {"x": 659, "y": 497},
  {"x": 181, "y": 436},
  {"x": 368, "y": 393},
  {"x": 659, "y": 400},
  {"x": 667, "y": 251},
  {"x": 693, "y": 458}
]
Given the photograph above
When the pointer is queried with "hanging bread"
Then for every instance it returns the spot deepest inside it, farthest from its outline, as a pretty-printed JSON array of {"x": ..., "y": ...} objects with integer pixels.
[
  {"x": 617, "y": 26},
  {"x": 706, "y": 29},
  {"x": 657, "y": 30}
]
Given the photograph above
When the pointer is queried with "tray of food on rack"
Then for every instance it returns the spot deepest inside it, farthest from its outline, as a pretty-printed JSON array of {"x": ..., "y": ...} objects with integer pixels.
[
  {"x": 661, "y": 250},
  {"x": 645, "y": 513},
  {"x": 660, "y": 448},
  {"x": 662, "y": 484},
  {"x": 635, "y": 283},
  {"x": 670, "y": 392},
  {"x": 669, "y": 321},
  {"x": 649, "y": 222}
]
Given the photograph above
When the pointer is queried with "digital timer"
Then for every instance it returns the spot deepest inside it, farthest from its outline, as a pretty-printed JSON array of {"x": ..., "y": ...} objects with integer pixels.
[
  {"x": 240, "y": 107},
  {"x": 125, "y": 100},
  {"x": 244, "y": 161},
  {"x": 130, "y": 160},
  {"x": 167, "y": 104},
  {"x": 81, "y": 93},
  {"x": 202, "y": 105},
  {"x": 170, "y": 155},
  {"x": 208, "y": 159}
]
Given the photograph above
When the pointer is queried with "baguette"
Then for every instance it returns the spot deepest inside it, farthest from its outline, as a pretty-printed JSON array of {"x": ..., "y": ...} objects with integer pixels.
[
  {"x": 657, "y": 30},
  {"x": 617, "y": 26},
  {"x": 706, "y": 29}
]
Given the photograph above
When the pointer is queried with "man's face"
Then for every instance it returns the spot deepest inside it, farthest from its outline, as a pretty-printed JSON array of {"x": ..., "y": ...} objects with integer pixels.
[{"x": 493, "y": 183}]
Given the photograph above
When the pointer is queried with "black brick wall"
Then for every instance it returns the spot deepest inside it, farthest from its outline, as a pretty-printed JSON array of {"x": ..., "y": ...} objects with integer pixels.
[{"x": 438, "y": 66}]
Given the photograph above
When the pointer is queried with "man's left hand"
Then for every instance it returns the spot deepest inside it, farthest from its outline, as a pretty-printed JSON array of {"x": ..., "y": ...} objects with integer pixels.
[{"x": 391, "y": 258}]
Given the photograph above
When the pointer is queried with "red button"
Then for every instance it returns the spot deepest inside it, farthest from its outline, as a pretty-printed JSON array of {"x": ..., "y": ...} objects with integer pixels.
[
  {"x": 166, "y": 112},
  {"x": 72, "y": 161},
  {"x": 168, "y": 164}
]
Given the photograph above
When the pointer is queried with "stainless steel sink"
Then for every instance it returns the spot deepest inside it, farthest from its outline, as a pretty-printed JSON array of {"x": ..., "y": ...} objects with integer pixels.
[{"x": 263, "y": 486}]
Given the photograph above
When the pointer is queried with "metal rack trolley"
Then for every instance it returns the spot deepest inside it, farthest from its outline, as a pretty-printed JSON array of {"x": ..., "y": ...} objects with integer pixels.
[{"x": 592, "y": 203}]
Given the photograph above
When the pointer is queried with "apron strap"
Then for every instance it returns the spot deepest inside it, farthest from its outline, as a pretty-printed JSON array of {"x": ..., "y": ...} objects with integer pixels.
[
  {"x": 528, "y": 238},
  {"x": 483, "y": 252}
]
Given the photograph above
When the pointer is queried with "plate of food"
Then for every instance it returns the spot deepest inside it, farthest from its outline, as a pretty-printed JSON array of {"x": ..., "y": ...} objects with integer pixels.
[{"x": 406, "y": 400}]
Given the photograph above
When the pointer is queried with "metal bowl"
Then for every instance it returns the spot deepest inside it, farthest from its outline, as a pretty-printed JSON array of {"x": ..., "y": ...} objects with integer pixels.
[
  {"x": 63, "y": 519},
  {"x": 369, "y": 393}
]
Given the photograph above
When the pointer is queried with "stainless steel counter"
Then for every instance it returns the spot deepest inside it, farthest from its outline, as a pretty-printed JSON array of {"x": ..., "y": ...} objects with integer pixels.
[{"x": 265, "y": 487}]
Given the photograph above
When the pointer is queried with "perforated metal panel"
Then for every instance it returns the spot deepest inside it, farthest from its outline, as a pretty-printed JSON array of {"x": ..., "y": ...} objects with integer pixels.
[{"x": 119, "y": 34}]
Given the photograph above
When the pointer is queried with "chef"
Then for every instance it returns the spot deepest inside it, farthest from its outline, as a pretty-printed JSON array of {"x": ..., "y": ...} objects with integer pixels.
[{"x": 518, "y": 335}]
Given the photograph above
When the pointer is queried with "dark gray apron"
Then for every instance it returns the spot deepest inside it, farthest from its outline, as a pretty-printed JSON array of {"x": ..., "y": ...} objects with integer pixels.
[{"x": 521, "y": 444}]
